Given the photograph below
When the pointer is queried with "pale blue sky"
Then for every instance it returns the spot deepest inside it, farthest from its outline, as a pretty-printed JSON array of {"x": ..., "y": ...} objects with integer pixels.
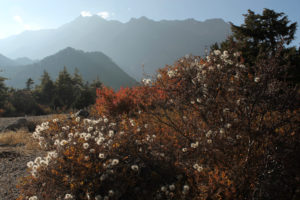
[{"x": 19, "y": 15}]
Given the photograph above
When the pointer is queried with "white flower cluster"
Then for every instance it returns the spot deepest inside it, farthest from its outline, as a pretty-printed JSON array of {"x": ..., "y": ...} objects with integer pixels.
[
  {"x": 68, "y": 196},
  {"x": 220, "y": 60},
  {"x": 169, "y": 190},
  {"x": 185, "y": 189},
  {"x": 147, "y": 81},
  {"x": 172, "y": 73},
  {"x": 148, "y": 139},
  {"x": 195, "y": 145},
  {"x": 135, "y": 167},
  {"x": 37, "y": 134},
  {"x": 197, "y": 167},
  {"x": 41, "y": 162},
  {"x": 209, "y": 134}
]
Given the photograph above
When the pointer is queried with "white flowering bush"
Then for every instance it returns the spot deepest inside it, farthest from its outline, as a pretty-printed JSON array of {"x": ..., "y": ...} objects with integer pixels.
[
  {"x": 99, "y": 159},
  {"x": 210, "y": 128}
]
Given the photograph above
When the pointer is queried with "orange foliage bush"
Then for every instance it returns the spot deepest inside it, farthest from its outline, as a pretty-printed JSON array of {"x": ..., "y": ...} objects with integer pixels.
[
  {"x": 127, "y": 100},
  {"x": 209, "y": 128}
]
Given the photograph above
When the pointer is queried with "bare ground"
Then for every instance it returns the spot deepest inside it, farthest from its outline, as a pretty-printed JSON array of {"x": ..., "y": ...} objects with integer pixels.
[{"x": 12, "y": 167}]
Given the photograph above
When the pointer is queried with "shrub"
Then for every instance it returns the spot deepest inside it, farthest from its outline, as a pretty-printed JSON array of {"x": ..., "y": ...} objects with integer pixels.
[{"x": 203, "y": 129}]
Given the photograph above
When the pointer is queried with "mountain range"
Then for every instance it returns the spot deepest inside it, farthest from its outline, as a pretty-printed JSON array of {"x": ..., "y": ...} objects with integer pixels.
[
  {"x": 137, "y": 45},
  {"x": 91, "y": 65},
  {"x": 5, "y": 61}
]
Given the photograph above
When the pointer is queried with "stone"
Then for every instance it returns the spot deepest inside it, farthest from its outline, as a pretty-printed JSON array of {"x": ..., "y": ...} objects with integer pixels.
[{"x": 17, "y": 125}]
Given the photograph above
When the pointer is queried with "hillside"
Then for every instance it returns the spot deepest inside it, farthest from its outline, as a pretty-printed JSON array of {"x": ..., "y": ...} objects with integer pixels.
[
  {"x": 5, "y": 62},
  {"x": 136, "y": 43},
  {"x": 91, "y": 65}
]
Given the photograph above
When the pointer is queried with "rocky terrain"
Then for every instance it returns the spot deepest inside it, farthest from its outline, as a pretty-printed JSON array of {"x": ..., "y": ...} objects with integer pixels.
[{"x": 12, "y": 168}]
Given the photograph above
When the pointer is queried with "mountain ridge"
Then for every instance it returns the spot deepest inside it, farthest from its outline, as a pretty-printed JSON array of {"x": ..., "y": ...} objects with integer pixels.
[
  {"x": 133, "y": 44},
  {"x": 91, "y": 65}
]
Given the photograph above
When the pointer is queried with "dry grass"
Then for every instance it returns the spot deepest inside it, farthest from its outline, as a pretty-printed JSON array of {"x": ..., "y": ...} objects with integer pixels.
[{"x": 21, "y": 140}]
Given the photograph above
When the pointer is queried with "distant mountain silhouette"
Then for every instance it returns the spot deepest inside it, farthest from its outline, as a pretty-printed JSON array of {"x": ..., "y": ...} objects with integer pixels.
[
  {"x": 24, "y": 61},
  {"x": 5, "y": 62},
  {"x": 139, "y": 42},
  {"x": 10, "y": 65},
  {"x": 91, "y": 65}
]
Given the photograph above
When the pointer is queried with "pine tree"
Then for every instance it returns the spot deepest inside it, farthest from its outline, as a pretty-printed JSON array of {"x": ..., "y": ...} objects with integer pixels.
[
  {"x": 77, "y": 78},
  {"x": 3, "y": 92},
  {"x": 65, "y": 88},
  {"x": 46, "y": 90},
  {"x": 261, "y": 37},
  {"x": 29, "y": 83},
  {"x": 263, "y": 33},
  {"x": 96, "y": 83}
]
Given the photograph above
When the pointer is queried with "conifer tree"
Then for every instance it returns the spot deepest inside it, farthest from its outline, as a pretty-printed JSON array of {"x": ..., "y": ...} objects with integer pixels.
[
  {"x": 263, "y": 33},
  {"x": 3, "y": 92},
  {"x": 65, "y": 88},
  {"x": 77, "y": 78},
  {"x": 29, "y": 83},
  {"x": 261, "y": 36},
  {"x": 46, "y": 89}
]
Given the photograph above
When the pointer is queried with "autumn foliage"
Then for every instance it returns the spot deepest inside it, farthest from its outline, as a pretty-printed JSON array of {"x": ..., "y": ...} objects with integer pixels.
[
  {"x": 210, "y": 128},
  {"x": 127, "y": 100}
]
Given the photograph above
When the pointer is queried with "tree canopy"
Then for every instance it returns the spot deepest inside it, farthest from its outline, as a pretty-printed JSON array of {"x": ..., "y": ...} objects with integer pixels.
[{"x": 261, "y": 36}]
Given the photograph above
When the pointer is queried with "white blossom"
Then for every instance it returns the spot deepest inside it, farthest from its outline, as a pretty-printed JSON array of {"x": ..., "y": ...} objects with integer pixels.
[
  {"x": 101, "y": 155},
  {"x": 171, "y": 73},
  {"x": 236, "y": 54},
  {"x": 77, "y": 119},
  {"x": 147, "y": 81},
  {"x": 110, "y": 133},
  {"x": 111, "y": 193},
  {"x": 115, "y": 162},
  {"x": 238, "y": 137},
  {"x": 242, "y": 66},
  {"x": 30, "y": 164},
  {"x": 186, "y": 189},
  {"x": 195, "y": 145},
  {"x": 228, "y": 125},
  {"x": 105, "y": 120},
  {"x": 98, "y": 197},
  {"x": 85, "y": 145},
  {"x": 217, "y": 52},
  {"x": 208, "y": 134},
  {"x": 222, "y": 130},
  {"x": 198, "y": 167},
  {"x": 135, "y": 167},
  {"x": 172, "y": 187},
  {"x": 163, "y": 188},
  {"x": 68, "y": 196}
]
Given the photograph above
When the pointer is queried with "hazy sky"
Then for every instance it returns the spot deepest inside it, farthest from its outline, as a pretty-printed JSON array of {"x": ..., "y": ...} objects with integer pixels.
[{"x": 19, "y": 15}]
